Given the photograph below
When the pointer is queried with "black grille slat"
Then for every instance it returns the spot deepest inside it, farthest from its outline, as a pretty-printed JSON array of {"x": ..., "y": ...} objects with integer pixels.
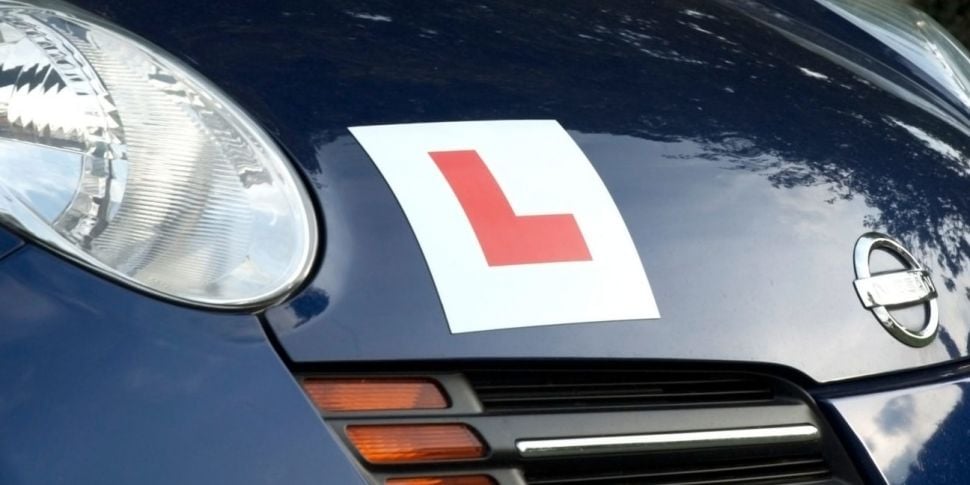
[
  {"x": 506, "y": 391},
  {"x": 761, "y": 473},
  {"x": 510, "y": 397},
  {"x": 485, "y": 386}
]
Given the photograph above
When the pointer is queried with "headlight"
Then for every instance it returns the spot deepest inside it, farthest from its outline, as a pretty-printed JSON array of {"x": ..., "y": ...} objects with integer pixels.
[
  {"x": 915, "y": 36},
  {"x": 127, "y": 161}
]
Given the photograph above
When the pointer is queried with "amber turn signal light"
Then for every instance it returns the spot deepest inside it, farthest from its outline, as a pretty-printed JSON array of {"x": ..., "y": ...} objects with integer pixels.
[
  {"x": 395, "y": 444},
  {"x": 343, "y": 395},
  {"x": 456, "y": 480}
]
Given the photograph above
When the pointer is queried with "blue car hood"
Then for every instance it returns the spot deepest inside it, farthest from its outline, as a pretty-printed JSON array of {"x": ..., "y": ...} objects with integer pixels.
[{"x": 747, "y": 147}]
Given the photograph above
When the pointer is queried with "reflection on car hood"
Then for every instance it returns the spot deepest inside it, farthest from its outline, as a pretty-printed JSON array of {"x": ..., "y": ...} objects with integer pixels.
[{"x": 747, "y": 149}]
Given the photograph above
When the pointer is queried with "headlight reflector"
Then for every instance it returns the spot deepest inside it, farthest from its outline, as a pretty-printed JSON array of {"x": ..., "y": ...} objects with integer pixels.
[{"x": 123, "y": 159}]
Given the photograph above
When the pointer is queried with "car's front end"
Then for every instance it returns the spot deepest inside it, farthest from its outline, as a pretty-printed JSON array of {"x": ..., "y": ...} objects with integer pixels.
[{"x": 482, "y": 243}]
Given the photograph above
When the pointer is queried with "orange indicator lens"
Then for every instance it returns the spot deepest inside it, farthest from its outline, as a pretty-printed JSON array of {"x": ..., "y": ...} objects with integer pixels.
[
  {"x": 391, "y": 444},
  {"x": 341, "y": 395},
  {"x": 459, "y": 480}
]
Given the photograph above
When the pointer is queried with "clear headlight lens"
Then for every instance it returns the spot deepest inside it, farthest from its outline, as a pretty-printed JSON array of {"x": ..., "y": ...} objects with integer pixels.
[
  {"x": 124, "y": 160},
  {"x": 914, "y": 35}
]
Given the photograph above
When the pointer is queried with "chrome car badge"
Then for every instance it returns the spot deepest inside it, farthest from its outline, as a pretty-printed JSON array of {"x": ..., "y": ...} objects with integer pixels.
[{"x": 895, "y": 290}]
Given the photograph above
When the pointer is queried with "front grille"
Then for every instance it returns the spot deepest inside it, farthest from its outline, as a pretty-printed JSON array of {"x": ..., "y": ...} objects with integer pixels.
[
  {"x": 601, "y": 426},
  {"x": 555, "y": 390}
]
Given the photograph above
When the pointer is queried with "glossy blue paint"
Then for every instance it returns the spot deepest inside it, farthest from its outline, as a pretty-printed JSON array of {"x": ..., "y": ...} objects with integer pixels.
[
  {"x": 744, "y": 155},
  {"x": 104, "y": 385},
  {"x": 9, "y": 242},
  {"x": 916, "y": 435}
]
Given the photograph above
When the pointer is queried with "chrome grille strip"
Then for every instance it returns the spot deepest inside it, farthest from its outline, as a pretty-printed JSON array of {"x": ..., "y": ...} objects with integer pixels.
[{"x": 693, "y": 440}]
